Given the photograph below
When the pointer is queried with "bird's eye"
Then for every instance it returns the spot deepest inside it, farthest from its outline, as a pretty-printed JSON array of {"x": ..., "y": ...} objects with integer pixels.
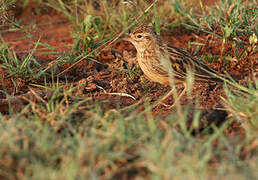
[{"x": 139, "y": 36}]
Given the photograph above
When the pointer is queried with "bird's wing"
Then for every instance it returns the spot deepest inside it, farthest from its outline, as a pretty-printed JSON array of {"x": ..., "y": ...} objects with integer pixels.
[{"x": 182, "y": 62}]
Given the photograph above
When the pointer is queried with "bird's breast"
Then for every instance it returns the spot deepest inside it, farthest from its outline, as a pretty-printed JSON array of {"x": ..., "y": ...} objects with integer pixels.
[{"x": 152, "y": 68}]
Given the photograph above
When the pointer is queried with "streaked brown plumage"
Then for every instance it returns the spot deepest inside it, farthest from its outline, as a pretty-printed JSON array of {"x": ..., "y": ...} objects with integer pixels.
[{"x": 162, "y": 62}]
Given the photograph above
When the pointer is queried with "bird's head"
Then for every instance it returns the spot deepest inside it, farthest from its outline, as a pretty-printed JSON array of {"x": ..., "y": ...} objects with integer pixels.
[{"x": 142, "y": 38}]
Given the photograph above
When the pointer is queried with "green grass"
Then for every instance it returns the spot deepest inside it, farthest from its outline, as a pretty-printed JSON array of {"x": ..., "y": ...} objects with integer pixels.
[
  {"x": 228, "y": 20},
  {"x": 70, "y": 136},
  {"x": 27, "y": 68},
  {"x": 4, "y": 7}
]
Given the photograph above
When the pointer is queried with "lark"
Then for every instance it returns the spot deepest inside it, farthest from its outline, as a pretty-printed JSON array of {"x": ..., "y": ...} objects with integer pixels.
[{"x": 164, "y": 63}]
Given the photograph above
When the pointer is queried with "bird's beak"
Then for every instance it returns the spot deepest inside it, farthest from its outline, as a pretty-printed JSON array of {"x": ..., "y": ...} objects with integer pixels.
[{"x": 127, "y": 38}]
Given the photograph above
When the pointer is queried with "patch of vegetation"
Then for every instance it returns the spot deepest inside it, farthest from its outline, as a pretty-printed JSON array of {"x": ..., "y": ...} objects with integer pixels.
[
  {"x": 26, "y": 68},
  {"x": 4, "y": 9},
  {"x": 69, "y": 138},
  {"x": 231, "y": 21}
]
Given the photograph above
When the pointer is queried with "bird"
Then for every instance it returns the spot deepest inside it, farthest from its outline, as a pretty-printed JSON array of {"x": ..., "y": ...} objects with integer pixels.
[{"x": 164, "y": 63}]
